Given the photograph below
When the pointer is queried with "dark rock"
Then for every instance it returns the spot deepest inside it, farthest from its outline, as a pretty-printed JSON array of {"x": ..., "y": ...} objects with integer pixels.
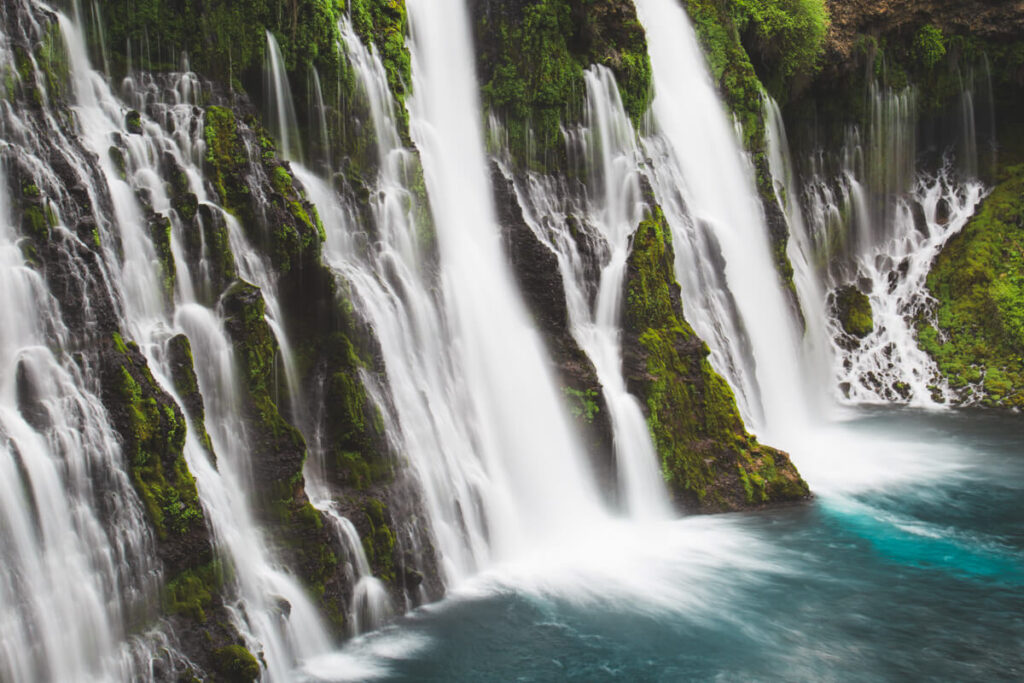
[{"x": 133, "y": 122}]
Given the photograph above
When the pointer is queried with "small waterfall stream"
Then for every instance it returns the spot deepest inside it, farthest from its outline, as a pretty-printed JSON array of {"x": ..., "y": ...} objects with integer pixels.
[
  {"x": 608, "y": 215},
  {"x": 875, "y": 224}
]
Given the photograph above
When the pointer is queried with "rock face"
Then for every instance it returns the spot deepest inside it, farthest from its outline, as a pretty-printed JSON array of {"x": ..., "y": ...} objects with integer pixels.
[
  {"x": 530, "y": 59},
  {"x": 709, "y": 461},
  {"x": 990, "y": 20}
]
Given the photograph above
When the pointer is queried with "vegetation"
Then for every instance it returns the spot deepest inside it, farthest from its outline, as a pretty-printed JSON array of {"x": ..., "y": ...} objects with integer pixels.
[
  {"x": 787, "y": 37},
  {"x": 853, "y": 309},
  {"x": 977, "y": 337},
  {"x": 532, "y": 57},
  {"x": 236, "y": 664},
  {"x": 154, "y": 443}
]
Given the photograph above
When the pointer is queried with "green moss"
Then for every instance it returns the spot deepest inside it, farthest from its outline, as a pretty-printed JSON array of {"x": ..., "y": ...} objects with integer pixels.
[
  {"x": 582, "y": 404},
  {"x": 978, "y": 283},
  {"x": 853, "y": 309},
  {"x": 36, "y": 221},
  {"x": 225, "y": 158},
  {"x": 930, "y": 45},
  {"x": 160, "y": 234},
  {"x": 153, "y": 447},
  {"x": 384, "y": 23},
  {"x": 787, "y": 36},
  {"x": 236, "y": 664},
  {"x": 379, "y": 543},
  {"x": 192, "y": 591}
]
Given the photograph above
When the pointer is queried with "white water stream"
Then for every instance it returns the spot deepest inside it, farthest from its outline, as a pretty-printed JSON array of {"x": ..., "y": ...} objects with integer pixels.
[{"x": 608, "y": 215}]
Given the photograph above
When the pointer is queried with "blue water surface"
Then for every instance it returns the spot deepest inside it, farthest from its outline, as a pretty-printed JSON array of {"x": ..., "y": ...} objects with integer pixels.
[{"x": 921, "y": 580}]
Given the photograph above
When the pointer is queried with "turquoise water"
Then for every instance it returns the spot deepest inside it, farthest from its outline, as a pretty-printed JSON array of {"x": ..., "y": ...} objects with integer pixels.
[{"x": 909, "y": 578}]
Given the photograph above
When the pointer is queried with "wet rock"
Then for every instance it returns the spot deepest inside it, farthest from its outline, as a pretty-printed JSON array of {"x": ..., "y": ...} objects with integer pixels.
[{"x": 133, "y": 122}]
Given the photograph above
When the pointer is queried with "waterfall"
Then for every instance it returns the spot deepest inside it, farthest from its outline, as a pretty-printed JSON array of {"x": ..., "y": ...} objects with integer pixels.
[
  {"x": 817, "y": 350},
  {"x": 609, "y": 214},
  {"x": 262, "y": 585},
  {"x": 77, "y": 554},
  {"x": 538, "y": 485},
  {"x": 732, "y": 293},
  {"x": 875, "y": 223},
  {"x": 283, "y": 122}
]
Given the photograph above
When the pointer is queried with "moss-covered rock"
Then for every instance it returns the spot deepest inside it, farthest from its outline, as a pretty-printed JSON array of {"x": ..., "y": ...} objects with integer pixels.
[
  {"x": 279, "y": 452},
  {"x": 154, "y": 437},
  {"x": 235, "y": 664},
  {"x": 186, "y": 385},
  {"x": 709, "y": 461},
  {"x": 853, "y": 310},
  {"x": 537, "y": 273},
  {"x": 152, "y": 430},
  {"x": 978, "y": 283}
]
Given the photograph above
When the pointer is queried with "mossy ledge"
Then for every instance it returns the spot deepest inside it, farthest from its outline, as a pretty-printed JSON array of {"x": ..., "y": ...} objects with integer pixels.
[
  {"x": 709, "y": 461},
  {"x": 977, "y": 338}
]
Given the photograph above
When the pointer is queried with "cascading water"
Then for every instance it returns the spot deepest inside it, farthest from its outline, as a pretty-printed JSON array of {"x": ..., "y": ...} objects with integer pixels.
[
  {"x": 609, "y": 213},
  {"x": 283, "y": 121},
  {"x": 393, "y": 285},
  {"x": 262, "y": 585},
  {"x": 521, "y": 433},
  {"x": 701, "y": 180},
  {"x": 77, "y": 562},
  {"x": 876, "y": 227}
]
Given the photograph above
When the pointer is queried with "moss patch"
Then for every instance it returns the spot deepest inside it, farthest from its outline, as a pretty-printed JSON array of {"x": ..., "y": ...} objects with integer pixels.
[{"x": 236, "y": 664}]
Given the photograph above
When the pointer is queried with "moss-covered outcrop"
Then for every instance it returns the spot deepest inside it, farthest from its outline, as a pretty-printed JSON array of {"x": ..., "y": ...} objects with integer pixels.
[
  {"x": 709, "y": 461},
  {"x": 333, "y": 351},
  {"x": 531, "y": 55},
  {"x": 853, "y": 311},
  {"x": 978, "y": 283},
  {"x": 279, "y": 452}
]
